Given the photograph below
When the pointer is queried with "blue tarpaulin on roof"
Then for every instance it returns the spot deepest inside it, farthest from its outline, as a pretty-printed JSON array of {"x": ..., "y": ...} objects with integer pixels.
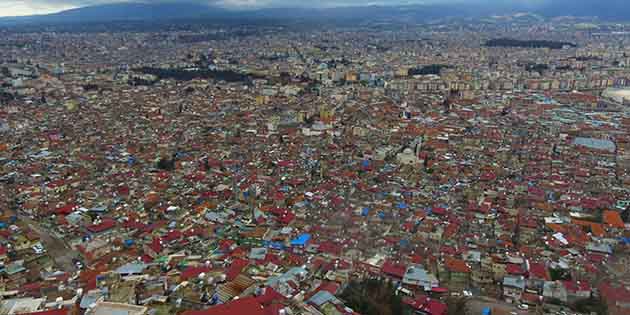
[
  {"x": 381, "y": 214},
  {"x": 366, "y": 163},
  {"x": 365, "y": 211},
  {"x": 402, "y": 205},
  {"x": 301, "y": 240}
]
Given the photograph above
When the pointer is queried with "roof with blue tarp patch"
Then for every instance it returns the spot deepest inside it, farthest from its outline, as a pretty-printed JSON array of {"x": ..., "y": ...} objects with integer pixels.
[
  {"x": 365, "y": 211},
  {"x": 301, "y": 240}
]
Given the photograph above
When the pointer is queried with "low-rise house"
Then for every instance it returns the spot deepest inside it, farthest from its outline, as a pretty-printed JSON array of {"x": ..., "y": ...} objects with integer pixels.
[
  {"x": 456, "y": 272},
  {"x": 416, "y": 275},
  {"x": 513, "y": 288},
  {"x": 577, "y": 290},
  {"x": 423, "y": 305},
  {"x": 616, "y": 297},
  {"x": 555, "y": 290}
]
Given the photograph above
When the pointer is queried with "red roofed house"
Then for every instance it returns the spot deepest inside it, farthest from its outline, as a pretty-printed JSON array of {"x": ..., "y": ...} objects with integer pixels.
[
  {"x": 104, "y": 226},
  {"x": 94, "y": 249},
  {"x": 613, "y": 219},
  {"x": 616, "y": 297},
  {"x": 235, "y": 268},
  {"x": 577, "y": 290},
  {"x": 455, "y": 271},
  {"x": 538, "y": 271},
  {"x": 65, "y": 210},
  {"x": 396, "y": 270},
  {"x": 192, "y": 272},
  {"x": 154, "y": 248},
  {"x": 425, "y": 306},
  {"x": 514, "y": 269}
]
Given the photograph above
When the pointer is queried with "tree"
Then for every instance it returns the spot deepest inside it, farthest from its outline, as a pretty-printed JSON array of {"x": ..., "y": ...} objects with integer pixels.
[
  {"x": 456, "y": 305},
  {"x": 591, "y": 305},
  {"x": 559, "y": 274},
  {"x": 430, "y": 69},
  {"x": 166, "y": 164},
  {"x": 373, "y": 297}
]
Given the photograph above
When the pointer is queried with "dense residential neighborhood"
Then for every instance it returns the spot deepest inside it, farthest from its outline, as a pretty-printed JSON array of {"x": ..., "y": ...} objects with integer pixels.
[{"x": 446, "y": 168}]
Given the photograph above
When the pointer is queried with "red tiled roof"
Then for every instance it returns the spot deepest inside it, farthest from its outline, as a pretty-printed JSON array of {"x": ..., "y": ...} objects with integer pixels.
[
  {"x": 439, "y": 211},
  {"x": 531, "y": 298},
  {"x": 36, "y": 286},
  {"x": 156, "y": 245},
  {"x": 456, "y": 265},
  {"x": 273, "y": 309},
  {"x": 614, "y": 294},
  {"x": 269, "y": 297},
  {"x": 65, "y": 210},
  {"x": 172, "y": 235},
  {"x": 394, "y": 269},
  {"x": 514, "y": 269},
  {"x": 192, "y": 272},
  {"x": 613, "y": 219},
  {"x": 427, "y": 305},
  {"x": 235, "y": 268},
  {"x": 539, "y": 271},
  {"x": 330, "y": 247},
  {"x": 105, "y": 225}
]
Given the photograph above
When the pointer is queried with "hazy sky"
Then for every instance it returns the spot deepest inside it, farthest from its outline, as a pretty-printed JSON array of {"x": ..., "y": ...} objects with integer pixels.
[{"x": 29, "y": 7}]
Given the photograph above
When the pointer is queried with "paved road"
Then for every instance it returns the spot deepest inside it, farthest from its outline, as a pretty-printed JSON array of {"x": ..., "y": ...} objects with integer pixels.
[{"x": 477, "y": 304}]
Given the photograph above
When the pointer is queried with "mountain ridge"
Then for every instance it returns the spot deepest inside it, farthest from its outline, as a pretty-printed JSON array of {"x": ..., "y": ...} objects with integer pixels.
[{"x": 143, "y": 11}]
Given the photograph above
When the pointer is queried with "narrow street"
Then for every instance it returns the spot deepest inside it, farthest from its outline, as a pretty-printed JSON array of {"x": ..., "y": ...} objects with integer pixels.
[{"x": 57, "y": 249}]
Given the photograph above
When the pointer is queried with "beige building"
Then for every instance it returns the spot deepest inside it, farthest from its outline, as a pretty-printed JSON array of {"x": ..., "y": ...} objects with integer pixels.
[{"x": 109, "y": 308}]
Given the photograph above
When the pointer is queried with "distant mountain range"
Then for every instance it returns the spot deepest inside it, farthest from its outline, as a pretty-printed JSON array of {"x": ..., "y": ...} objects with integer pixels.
[
  {"x": 120, "y": 12},
  {"x": 605, "y": 9}
]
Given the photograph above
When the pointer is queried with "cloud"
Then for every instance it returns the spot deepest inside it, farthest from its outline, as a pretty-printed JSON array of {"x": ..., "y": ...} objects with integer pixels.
[{"x": 30, "y": 7}]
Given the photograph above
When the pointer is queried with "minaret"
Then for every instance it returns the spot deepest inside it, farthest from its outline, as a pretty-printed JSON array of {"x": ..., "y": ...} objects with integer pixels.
[{"x": 252, "y": 198}]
